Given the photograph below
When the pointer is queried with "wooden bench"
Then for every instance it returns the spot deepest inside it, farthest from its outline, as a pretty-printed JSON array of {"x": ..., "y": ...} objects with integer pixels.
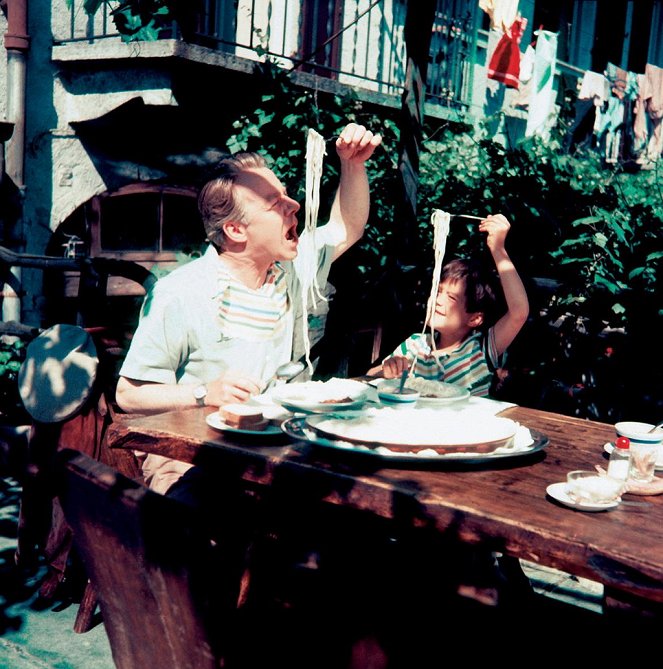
[{"x": 152, "y": 565}]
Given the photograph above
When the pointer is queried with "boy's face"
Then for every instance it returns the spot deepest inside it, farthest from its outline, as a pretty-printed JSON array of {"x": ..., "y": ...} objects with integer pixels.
[{"x": 450, "y": 315}]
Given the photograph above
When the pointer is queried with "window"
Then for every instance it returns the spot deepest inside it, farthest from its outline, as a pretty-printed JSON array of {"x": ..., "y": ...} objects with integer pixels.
[
  {"x": 155, "y": 226},
  {"x": 154, "y": 221},
  {"x": 130, "y": 223}
]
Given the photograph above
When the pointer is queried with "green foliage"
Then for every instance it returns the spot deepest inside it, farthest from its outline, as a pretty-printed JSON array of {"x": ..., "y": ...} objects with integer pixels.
[
  {"x": 593, "y": 234},
  {"x": 593, "y": 230},
  {"x": 136, "y": 20},
  {"x": 12, "y": 354},
  {"x": 587, "y": 239}
]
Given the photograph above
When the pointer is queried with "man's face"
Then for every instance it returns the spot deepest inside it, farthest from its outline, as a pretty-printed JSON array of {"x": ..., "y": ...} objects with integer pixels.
[{"x": 270, "y": 216}]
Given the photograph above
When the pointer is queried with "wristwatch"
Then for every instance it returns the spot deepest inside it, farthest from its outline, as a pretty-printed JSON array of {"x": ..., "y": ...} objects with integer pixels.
[{"x": 200, "y": 393}]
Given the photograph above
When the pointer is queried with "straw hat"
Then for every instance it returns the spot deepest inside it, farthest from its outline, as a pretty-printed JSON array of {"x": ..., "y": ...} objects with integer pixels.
[{"x": 58, "y": 373}]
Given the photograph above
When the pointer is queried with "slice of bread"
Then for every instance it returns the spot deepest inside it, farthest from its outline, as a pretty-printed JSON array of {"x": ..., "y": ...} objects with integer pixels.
[{"x": 242, "y": 416}]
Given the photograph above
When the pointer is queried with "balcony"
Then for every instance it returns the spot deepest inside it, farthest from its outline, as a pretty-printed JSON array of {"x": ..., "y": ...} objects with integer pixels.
[{"x": 329, "y": 45}]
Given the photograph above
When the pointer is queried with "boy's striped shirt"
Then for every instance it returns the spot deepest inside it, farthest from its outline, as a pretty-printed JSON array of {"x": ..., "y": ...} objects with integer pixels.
[{"x": 471, "y": 365}]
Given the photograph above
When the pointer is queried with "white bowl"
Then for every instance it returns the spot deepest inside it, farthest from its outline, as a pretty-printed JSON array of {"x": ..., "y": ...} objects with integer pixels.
[
  {"x": 639, "y": 432},
  {"x": 587, "y": 487},
  {"x": 391, "y": 396}
]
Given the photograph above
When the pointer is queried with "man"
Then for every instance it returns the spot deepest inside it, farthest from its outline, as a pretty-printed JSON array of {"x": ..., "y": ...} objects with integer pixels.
[{"x": 213, "y": 331}]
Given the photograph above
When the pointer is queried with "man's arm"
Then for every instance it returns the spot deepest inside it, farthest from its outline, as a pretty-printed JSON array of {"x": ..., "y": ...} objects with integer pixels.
[
  {"x": 145, "y": 397},
  {"x": 135, "y": 396},
  {"x": 351, "y": 205}
]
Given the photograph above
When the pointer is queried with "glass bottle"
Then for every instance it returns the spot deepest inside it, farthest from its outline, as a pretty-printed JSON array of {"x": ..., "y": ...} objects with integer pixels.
[{"x": 620, "y": 459}]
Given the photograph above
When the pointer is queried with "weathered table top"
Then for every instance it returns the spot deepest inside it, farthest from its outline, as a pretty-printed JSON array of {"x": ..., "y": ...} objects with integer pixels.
[{"x": 501, "y": 504}]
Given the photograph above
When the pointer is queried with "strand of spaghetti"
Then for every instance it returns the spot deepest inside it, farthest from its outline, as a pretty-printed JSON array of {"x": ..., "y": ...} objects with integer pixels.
[
  {"x": 440, "y": 221},
  {"x": 315, "y": 153}
]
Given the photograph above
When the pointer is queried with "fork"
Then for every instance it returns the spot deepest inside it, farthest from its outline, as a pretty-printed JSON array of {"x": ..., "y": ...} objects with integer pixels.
[
  {"x": 404, "y": 376},
  {"x": 474, "y": 218}
]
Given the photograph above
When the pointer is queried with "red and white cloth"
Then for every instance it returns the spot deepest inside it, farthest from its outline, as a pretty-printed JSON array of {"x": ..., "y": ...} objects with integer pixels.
[{"x": 504, "y": 64}]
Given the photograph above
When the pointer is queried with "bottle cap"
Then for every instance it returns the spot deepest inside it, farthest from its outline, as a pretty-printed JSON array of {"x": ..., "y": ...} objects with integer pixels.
[{"x": 622, "y": 442}]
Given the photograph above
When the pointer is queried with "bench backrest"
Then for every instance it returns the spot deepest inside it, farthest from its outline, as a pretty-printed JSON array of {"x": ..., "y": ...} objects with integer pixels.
[{"x": 150, "y": 562}]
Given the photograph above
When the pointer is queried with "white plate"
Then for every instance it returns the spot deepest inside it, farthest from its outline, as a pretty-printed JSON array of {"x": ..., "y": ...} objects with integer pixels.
[
  {"x": 558, "y": 491},
  {"x": 432, "y": 402},
  {"x": 318, "y": 396},
  {"x": 214, "y": 420},
  {"x": 532, "y": 442},
  {"x": 609, "y": 447},
  {"x": 451, "y": 392}
]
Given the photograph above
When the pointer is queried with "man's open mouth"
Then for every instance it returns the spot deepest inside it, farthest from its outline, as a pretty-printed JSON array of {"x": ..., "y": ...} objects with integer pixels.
[{"x": 291, "y": 234}]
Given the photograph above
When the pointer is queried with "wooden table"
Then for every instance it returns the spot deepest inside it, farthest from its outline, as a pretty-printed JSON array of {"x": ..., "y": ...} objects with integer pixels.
[{"x": 502, "y": 505}]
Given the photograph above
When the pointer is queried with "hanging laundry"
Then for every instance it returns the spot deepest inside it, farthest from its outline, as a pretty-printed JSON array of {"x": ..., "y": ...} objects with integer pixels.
[
  {"x": 521, "y": 99},
  {"x": 648, "y": 126},
  {"x": 502, "y": 13},
  {"x": 629, "y": 148},
  {"x": 593, "y": 94},
  {"x": 607, "y": 128},
  {"x": 542, "y": 97},
  {"x": 640, "y": 122},
  {"x": 527, "y": 64},
  {"x": 594, "y": 87},
  {"x": 613, "y": 117},
  {"x": 504, "y": 64},
  {"x": 618, "y": 78}
]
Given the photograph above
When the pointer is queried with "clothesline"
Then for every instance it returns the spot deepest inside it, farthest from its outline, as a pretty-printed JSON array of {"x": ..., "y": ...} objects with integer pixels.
[{"x": 628, "y": 112}]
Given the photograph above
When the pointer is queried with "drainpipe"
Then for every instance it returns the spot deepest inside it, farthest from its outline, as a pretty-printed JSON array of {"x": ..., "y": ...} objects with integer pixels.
[
  {"x": 16, "y": 42},
  {"x": 6, "y": 130}
]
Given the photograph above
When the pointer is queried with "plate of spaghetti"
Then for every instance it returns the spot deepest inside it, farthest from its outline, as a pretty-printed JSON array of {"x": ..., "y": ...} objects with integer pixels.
[
  {"x": 322, "y": 396},
  {"x": 431, "y": 393}
]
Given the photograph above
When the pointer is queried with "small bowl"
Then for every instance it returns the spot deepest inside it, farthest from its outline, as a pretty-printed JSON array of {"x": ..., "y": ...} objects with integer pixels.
[
  {"x": 639, "y": 432},
  {"x": 588, "y": 487},
  {"x": 390, "y": 396}
]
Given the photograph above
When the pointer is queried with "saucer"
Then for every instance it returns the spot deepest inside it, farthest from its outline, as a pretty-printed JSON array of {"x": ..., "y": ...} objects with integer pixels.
[{"x": 558, "y": 492}]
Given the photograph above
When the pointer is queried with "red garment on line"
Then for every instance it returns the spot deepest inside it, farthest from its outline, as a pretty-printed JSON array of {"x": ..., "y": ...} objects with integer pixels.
[{"x": 504, "y": 64}]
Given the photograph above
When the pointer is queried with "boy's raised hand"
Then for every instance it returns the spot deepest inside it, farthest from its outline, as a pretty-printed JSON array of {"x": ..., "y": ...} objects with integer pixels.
[{"x": 496, "y": 228}]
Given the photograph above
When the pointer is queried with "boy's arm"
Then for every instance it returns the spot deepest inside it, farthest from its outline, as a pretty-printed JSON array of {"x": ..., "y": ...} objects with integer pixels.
[{"x": 496, "y": 228}]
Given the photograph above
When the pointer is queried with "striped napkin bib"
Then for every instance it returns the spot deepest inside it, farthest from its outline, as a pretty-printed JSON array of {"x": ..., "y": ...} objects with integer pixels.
[{"x": 253, "y": 315}]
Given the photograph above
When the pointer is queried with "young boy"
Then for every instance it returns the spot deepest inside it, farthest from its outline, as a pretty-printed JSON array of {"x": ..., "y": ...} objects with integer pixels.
[
  {"x": 470, "y": 336},
  {"x": 475, "y": 319}
]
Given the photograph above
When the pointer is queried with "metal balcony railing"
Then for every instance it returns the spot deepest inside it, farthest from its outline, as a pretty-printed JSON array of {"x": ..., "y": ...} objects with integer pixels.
[{"x": 354, "y": 42}]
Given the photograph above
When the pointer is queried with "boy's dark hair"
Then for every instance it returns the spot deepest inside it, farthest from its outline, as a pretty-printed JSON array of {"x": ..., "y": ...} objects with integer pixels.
[{"x": 483, "y": 290}]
